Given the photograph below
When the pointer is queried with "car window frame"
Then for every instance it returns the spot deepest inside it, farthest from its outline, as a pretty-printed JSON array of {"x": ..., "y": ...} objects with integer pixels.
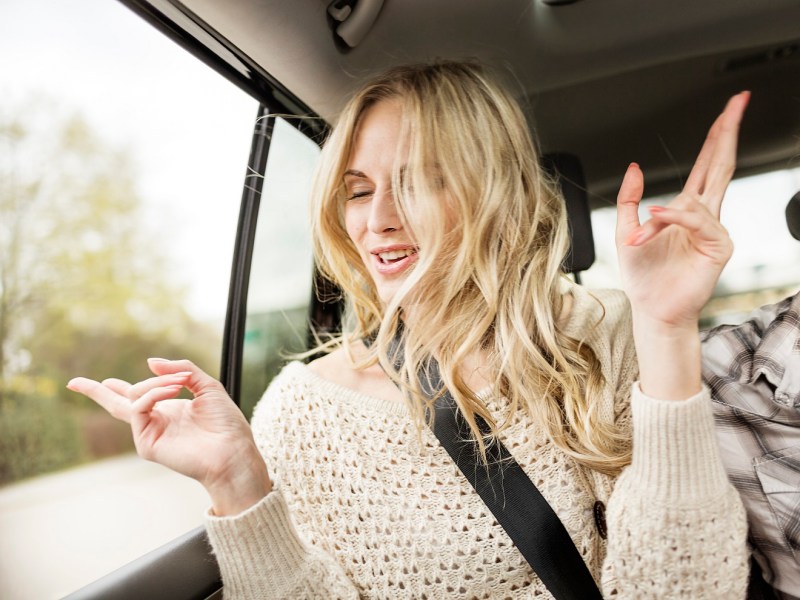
[{"x": 194, "y": 35}]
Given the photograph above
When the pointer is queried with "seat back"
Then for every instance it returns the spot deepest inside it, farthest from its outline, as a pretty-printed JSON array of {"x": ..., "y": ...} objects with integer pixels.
[
  {"x": 793, "y": 216},
  {"x": 567, "y": 170}
]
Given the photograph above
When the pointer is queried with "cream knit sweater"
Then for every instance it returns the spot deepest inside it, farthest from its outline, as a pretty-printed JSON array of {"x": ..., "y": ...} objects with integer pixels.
[{"x": 364, "y": 507}]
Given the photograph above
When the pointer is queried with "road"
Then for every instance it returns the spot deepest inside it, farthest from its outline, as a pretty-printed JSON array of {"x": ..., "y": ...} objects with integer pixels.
[{"x": 62, "y": 531}]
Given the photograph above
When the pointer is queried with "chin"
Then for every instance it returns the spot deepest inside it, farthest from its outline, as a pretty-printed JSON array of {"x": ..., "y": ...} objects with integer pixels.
[
  {"x": 387, "y": 294},
  {"x": 385, "y": 297}
]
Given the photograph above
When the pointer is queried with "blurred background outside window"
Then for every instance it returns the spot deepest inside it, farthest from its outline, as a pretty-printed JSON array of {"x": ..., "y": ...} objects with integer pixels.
[
  {"x": 765, "y": 267},
  {"x": 122, "y": 161}
]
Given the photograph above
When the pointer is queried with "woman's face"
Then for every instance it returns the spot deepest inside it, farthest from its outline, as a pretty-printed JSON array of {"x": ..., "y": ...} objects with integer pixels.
[{"x": 371, "y": 217}]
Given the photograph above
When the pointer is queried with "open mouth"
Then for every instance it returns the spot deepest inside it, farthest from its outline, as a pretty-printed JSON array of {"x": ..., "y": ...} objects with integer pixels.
[
  {"x": 392, "y": 261},
  {"x": 394, "y": 256}
]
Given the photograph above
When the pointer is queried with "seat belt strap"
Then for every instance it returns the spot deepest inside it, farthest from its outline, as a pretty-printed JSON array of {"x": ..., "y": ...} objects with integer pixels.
[{"x": 507, "y": 491}]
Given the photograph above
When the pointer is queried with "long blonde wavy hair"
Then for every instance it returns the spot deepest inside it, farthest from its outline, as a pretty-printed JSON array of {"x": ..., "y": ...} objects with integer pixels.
[{"x": 492, "y": 234}]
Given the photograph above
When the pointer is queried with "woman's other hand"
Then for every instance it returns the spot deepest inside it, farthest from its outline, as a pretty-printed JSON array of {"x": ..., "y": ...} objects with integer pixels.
[{"x": 206, "y": 438}]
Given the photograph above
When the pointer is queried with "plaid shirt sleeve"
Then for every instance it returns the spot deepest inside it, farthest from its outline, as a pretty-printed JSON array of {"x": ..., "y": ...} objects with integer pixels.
[{"x": 753, "y": 371}]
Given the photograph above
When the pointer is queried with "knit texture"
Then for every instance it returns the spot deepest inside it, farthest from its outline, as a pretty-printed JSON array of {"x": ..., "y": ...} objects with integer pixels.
[{"x": 365, "y": 506}]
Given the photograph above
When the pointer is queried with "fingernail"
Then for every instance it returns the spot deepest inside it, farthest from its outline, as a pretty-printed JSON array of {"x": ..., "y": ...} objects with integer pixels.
[
  {"x": 656, "y": 209},
  {"x": 183, "y": 374},
  {"x": 155, "y": 359},
  {"x": 633, "y": 165}
]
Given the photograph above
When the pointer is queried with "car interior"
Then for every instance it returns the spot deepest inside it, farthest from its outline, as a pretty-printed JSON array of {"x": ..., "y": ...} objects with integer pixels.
[{"x": 602, "y": 84}]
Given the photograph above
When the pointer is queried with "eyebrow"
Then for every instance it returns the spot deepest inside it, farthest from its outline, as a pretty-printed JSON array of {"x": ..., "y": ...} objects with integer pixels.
[{"x": 362, "y": 175}]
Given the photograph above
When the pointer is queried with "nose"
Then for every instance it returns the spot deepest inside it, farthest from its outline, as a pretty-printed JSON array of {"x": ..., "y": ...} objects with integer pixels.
[{"x": 383, "y": 215}]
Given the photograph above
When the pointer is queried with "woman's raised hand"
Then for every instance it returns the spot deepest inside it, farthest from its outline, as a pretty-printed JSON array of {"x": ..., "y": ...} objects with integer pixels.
[
  {"x": 671, "y": 263},
  {"x": 207, "y": 438}
]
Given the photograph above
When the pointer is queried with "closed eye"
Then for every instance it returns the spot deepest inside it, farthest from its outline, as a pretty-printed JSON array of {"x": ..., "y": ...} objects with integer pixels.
[{"x": 357, "y": 195}]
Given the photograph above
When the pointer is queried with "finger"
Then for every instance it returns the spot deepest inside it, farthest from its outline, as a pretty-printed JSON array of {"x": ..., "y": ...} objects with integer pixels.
[
  {"x": 141, "y": 409},
  {"x": 116, "y": 405},
  {"x": 646, "y": 232},
  {"x": 145, "y": 404},
  {"x": 697, "y": 176},
  {"x": 198, "y": 379},
  {"x": 117, "y": 385},
  {"x": 703, "y": 227},
  {"x": 723, "y": 159},
  {"x": 141, "y": 388},
  {"x": 628, "y": 198},
  {"x": 716, "y": 162},
  {"x": 653, "y": 227}
]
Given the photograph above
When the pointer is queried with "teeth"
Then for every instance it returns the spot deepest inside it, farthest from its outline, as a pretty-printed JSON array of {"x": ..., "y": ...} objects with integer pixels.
[{"x": 396, "y": 254}]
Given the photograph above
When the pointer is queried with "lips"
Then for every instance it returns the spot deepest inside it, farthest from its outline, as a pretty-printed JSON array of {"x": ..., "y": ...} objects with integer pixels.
[{"x": 394, "y": 259}]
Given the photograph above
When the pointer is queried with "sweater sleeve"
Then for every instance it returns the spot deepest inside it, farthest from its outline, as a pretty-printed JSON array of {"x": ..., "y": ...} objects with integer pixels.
[
  {"x": 676, "y": 527},
  {"x": 261, "y": 552},
  {"x": 261, "y": 556}
]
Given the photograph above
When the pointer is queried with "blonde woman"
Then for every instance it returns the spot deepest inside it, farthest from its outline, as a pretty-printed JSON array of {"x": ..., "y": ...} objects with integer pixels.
[{"x": 430, "y": 211}]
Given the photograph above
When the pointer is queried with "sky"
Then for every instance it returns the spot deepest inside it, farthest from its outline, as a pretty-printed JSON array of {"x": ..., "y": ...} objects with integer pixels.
[{"x": 187, "y": 128}]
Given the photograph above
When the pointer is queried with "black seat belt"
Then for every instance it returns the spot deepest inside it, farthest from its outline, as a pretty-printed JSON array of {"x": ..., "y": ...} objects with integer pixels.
[{"x": 508, "y": 492}]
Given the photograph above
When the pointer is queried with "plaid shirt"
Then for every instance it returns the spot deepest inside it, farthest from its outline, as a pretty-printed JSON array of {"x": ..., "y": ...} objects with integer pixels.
[{"x": 753, "y": 370}]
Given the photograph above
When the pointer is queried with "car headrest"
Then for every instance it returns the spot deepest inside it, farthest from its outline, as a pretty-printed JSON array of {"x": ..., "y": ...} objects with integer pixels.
[
  {"x": 567, "y": 170},
  {"x": 793, "y": 216}
]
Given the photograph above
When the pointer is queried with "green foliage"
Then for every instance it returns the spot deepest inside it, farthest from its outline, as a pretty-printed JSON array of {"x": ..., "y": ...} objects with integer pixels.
[
  {"x": 85, "y": 288},
  {"x": 37, "y": 435}
]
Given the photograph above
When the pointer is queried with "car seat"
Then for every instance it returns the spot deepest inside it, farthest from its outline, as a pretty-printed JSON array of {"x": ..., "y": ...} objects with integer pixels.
[
  {"x": 568, "y": 172},
  {"x": 793, "y": 216}
]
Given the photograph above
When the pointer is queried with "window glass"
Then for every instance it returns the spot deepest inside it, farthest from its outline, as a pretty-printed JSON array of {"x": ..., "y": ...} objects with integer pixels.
[
  {"x": 281, "y": 272},
  {"x": 122, "y": 160},
  {"x": 765, "y": 266}
]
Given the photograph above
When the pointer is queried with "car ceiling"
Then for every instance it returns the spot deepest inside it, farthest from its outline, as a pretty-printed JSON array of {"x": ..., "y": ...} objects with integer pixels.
[{"x": 612, "y": 81}]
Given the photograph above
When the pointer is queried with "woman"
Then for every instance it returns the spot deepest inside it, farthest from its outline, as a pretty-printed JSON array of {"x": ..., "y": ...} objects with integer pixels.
[{"x": 430, "y": 211}]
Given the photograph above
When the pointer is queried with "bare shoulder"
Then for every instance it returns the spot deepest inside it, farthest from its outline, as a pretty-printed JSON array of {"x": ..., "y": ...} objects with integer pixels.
[{"x": 337, "y": 368}]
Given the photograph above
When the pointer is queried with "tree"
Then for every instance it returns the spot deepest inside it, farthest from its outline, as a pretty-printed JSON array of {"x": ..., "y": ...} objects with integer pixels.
[{"x": 85, "y": 288}]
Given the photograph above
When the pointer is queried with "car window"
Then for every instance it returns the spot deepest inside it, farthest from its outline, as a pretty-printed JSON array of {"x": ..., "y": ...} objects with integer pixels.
[
  {"x": 281, "y": 272},
  {"x": 122, "y": 160},
  {"x": 764, "y": 265}
]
